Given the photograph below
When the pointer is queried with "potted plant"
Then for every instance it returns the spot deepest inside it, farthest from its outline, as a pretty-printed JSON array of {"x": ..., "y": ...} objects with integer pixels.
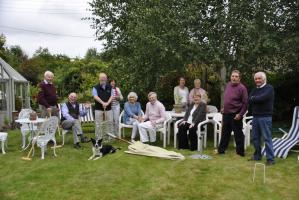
[{"x": 178, "y": 106}]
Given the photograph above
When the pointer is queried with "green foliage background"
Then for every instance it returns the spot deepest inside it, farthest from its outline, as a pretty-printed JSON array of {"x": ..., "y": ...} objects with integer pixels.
[{"x": 149, "y": 44}]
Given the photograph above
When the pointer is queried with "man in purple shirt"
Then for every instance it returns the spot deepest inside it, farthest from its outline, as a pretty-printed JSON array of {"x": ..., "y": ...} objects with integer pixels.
[
  {"x": 235, "y": 106},
  {"x": 70, "y": 118}
]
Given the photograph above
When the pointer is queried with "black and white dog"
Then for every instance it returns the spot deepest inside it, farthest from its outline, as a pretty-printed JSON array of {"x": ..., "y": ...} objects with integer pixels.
[{"x": 99, "y": 150}]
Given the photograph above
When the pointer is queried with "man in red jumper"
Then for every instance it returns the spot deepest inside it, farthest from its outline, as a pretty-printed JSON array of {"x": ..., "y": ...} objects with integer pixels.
[
  {"x": 47, "y": 97},
  {"x": 235, "y": 106}
]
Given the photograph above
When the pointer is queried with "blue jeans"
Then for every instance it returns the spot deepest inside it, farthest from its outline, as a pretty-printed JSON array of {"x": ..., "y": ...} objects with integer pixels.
[{"x": 262, "y": 126}]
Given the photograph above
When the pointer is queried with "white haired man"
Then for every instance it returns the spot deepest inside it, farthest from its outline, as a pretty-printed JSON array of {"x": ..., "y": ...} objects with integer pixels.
[
  {"x": 261, "y": 100},
  {"x": 70, "y": 118},
  {"x": 47, "y": 97},
  {"x": 102, "y": 94},
  {"x": 153, "y": 119}
]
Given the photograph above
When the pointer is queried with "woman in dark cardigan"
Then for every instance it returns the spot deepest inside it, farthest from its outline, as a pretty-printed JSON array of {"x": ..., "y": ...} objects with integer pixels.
[{"x": 195, "y": 114}]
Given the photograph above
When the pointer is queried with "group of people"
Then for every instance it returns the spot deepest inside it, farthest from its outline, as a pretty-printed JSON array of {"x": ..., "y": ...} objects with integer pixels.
[
  {"x": 236, "y": 102},
  {"x": 107, "y": 99}
]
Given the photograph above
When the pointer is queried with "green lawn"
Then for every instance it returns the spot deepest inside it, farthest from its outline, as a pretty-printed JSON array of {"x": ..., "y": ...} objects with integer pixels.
[{"x": 123, "y": 176}]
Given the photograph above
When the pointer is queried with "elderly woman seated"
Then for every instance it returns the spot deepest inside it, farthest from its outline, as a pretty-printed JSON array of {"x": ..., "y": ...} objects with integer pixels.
[
  {"x": 195, "y": 114},
  {"x": 132, "y": 113}
]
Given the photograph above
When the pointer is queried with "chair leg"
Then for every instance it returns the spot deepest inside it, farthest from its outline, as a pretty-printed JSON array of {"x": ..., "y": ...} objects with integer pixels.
[
  {"x": 215, "y": 135},
  {"x": 2, "y": 145},
  {"x": 54, "y": 148},
  {"x": 43, "y": 151},
  {"x": 168, "y": 133},
  {"x": 63, "y": 134},
  {"x": 119, "y": 132},
  {"x": 23, "y": 140},
  {"x": 174, "y": 139},
  {"x": 205, "y": 136},
  {"x": 164, "y": 139}
]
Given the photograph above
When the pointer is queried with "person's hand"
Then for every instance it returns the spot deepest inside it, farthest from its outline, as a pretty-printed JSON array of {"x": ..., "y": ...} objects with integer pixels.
[
  {"x": 87, "y": 105},
  {"x": 191, "y": 125},
  {"x": 221, "y": 111},
  {"x": 153, "y": 123},
  {"x": 49, "y": 110},
  {"x": 117, "y": 98},
  {"x": 105, "y": 104},
  {"x": 182, "y": 123},
  {"x": 237, "y": 117},
  {"x": 140, "y": 119}
]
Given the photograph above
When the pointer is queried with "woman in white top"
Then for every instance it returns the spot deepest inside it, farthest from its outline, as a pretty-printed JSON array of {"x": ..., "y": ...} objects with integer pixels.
[
  {"x": 195, "y": 114},
  {"x": 115, "y": 107},
  {"x": 181, "y": 92}
]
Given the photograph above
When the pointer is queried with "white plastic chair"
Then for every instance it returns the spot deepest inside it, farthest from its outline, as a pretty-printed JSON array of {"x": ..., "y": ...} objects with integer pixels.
[
  {"x": 122, "y": 126},
  {"x": 216, "y": 121},
  {"x": 211, "y": 109},
  {"x": 165, "y": 130},
  {"x": 247, "y": 121},
  {"x": 25, "y": 128},
  {"x": 3, "y": 139},
  {"x": 247, "y": 127},
  {"x": 48, "y": 129}
]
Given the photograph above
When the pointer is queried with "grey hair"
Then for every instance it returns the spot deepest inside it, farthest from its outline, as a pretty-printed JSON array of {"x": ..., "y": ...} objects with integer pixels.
[
  {"x": 152, "y": 94},
  {"x": 197, "y": 79},
  {"x": 262, "y": 74},
  {"x": 132, "y": 94},
  {"x": 48, "y": 73}
]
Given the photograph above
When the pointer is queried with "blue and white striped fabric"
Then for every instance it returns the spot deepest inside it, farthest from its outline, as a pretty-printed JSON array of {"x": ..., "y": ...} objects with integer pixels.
[
  {"x": 283, "y": 145},
  {"x": 88, "y": 117}
]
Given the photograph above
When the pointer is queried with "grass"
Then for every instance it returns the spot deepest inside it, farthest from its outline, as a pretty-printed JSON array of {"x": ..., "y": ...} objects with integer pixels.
[{"x": 122, "y": 176}]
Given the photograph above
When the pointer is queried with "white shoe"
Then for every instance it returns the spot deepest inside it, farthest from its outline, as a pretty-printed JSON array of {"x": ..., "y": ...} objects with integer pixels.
[{"x": 133, "y": 141}]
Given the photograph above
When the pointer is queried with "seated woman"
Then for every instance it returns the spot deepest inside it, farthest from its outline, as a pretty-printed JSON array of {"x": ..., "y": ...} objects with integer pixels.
[
  {"x": 132, "y": 113},
  {"x": 195, "y": 114}
]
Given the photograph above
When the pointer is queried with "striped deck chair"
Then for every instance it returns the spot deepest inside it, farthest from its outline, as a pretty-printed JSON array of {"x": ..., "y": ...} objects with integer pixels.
[
  {"x": 88, "y": 117},
  {"x": 283, "y": 145}
]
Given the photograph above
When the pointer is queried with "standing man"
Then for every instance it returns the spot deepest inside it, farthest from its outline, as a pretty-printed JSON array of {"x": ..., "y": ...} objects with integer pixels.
[
  {"x": 235, "y": 106},
  {"x": 70, "y": 118},
  {"x": 153, "y": 119},
  {"x": 261, "y": 99},
  {"x": 47, "y": 97},
  {"x": 102, "y": 94}
]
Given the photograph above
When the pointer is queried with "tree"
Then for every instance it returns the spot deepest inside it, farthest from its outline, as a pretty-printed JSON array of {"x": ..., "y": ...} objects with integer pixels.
[{"x": 148, "y": 39}]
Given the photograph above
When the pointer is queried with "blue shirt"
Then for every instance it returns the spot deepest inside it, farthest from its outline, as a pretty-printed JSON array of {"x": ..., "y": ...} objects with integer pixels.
[
  {"x": 65, "y": 111},
  {"x": 130, "y": 110}
]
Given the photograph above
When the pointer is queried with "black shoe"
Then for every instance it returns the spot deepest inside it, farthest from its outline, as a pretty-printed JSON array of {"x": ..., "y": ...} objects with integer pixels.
[
  {"x": 77, "y": 146},
  {"x": 270, "y": 162},
  {"x": 253, "y": 159},
  {"x": 241, "y": 154}
]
